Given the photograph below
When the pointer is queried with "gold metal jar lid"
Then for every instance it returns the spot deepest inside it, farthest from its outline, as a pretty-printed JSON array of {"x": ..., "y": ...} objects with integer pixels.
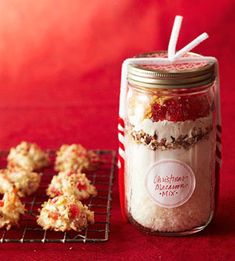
[{"x": 174, "y": 75}]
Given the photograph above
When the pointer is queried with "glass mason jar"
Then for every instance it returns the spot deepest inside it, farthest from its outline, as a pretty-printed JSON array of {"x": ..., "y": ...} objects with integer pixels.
[{"x": 170, "y": 147}]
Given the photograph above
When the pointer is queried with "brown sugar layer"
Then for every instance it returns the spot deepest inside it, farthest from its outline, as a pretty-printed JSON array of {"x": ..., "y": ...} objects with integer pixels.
[{"x": 182, "y": 141}]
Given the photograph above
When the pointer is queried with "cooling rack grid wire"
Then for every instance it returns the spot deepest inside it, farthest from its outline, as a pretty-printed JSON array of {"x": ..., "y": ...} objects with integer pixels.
[{"x": 29, "y": 231}]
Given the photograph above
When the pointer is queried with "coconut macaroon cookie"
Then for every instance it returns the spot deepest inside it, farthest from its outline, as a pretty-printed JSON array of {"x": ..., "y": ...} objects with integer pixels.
[
  {"x": 75, "y": 157},
  {"x": 64, "y": 213},
  {"x": 11, "y": 209},
  {"x": 24, "y": 181},
  {"x": 5, "y": 184},
  {"x": 71, "y": 183},
  {"x": 28, "y": 156}
]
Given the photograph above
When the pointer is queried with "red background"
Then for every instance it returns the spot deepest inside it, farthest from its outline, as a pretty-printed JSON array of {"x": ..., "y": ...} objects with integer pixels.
[{"x": 60, "y": 67}]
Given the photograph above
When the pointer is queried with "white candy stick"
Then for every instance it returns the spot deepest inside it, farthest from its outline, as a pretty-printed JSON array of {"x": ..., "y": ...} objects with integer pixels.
[
  {"x": 191, "y": 45},
  {"x": 174, "y": 37}
]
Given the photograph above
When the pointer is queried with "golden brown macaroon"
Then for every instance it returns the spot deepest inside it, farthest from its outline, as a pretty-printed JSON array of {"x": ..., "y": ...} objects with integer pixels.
[
  {"x": 11, "y": 209},
  {"x": 27, "y": 156},
  {"x": 75, "y": 157},
  {"x": 64, "y": 213},
  {"x": 71, "y": 183},
  {"x": 26, "y": 182}
]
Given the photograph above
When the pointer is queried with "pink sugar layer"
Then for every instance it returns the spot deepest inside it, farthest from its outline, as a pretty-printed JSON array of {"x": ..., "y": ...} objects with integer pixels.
[{"x": 182, "y": 141}]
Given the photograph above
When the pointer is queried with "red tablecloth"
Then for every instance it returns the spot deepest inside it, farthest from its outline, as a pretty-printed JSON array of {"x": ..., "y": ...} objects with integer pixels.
[{"x": 59, "y": 83}]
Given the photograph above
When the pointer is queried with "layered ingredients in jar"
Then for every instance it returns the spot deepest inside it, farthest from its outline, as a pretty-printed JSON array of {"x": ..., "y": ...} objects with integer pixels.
[{"x": 169, "y": 170}]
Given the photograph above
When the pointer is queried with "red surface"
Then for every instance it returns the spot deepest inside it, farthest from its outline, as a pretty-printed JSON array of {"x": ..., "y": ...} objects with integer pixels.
[{"x": 59, "y": 82}]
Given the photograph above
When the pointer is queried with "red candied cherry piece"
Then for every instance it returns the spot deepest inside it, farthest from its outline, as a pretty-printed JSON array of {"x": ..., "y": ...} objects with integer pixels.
[
  {"x": 174, "y": 110},
  {"x": 204, "y": 104},
  {"x": 74, "y": 211},
  {"x": 195, "y": 106},
  {"x": 1, "y": 203},
  {"x": 55, "y": 191},
  {"x": 53, "y": 215},
  {"x": 81, "y": 186},
  {"x": 158, "y": 112},
  {"x": 185, "y": 107}
]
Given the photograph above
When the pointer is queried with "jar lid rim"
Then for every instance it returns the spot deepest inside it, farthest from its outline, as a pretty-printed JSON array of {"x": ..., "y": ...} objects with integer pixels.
[{"x": 185, "y": 74}]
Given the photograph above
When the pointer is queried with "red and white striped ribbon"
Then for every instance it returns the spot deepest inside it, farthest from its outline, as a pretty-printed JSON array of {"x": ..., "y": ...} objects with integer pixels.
[
  {"x": 218, "y": 144},
  {"x": 121, "y": 165}
]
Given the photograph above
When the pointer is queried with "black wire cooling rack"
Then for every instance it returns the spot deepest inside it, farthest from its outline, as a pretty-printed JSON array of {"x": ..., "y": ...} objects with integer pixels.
[{"x": 29, "y": 231}]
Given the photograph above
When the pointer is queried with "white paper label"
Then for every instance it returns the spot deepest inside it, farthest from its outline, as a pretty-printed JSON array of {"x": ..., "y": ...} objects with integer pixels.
[{"x": 170, "y": 183}]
